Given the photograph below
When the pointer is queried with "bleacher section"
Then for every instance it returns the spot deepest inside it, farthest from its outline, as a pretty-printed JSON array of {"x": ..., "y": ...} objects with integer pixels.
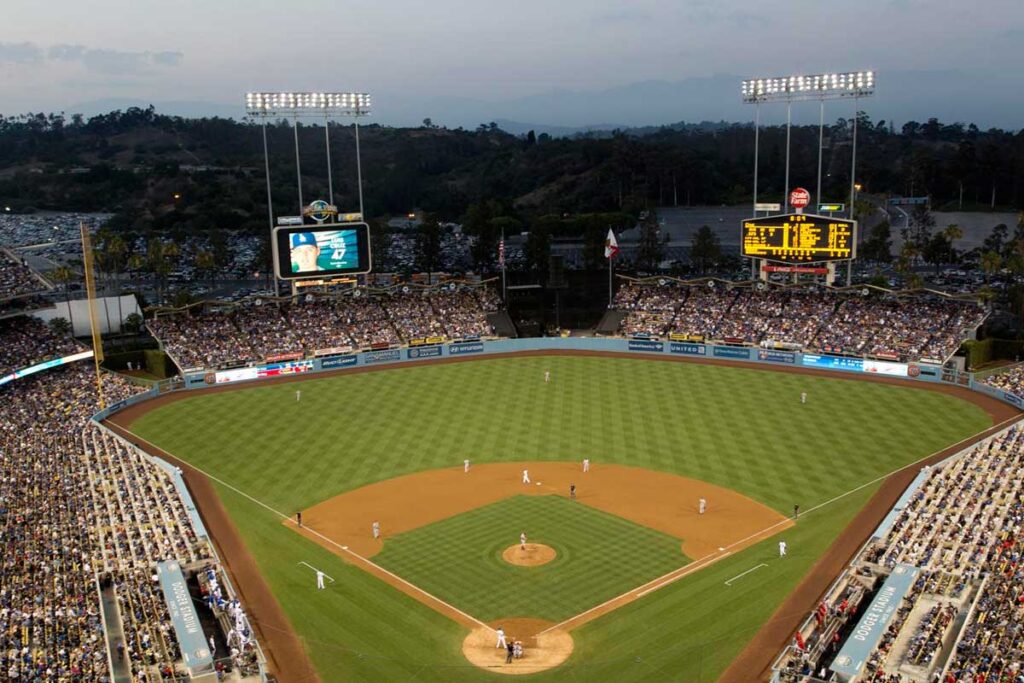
[
  {"x": 959, "y": 536},
  {"x": 899, "y": 328}
]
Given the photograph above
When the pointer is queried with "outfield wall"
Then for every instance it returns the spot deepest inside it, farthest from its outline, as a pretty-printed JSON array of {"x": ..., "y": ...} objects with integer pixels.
[{"x": 921, "y": 372}]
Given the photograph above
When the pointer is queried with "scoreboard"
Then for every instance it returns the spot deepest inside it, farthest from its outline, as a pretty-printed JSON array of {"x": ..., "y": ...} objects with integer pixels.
[{"x": 799, "y": 238}]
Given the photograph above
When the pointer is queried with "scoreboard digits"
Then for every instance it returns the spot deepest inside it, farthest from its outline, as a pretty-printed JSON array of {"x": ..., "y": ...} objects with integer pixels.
[{"x": 799, "y": 238}]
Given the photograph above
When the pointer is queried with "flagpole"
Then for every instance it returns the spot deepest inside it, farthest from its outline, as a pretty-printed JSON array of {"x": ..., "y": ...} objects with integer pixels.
[
  {"x": 610, "y": 281},
  {"x": 504, "y": 297}
]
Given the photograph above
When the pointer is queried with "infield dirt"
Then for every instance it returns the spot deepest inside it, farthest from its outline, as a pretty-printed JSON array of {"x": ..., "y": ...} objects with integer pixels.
[
  {"x": 530, "y": 555},
  {"x": 289, "y": 660}
]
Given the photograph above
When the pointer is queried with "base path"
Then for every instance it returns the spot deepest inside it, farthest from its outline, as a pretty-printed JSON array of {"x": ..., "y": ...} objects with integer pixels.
[
  {"x": 542, "y": 648},
  {"x": 663, "y": 502},
  {"x": 531, "y": 555}
]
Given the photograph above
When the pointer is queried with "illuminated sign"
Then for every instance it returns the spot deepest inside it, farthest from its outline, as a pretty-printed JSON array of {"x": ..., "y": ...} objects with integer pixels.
[
  {"x": 46, "y": 365},
  {"x": 321, "y": 251},
  {"x": 831, "y": 208},
  {"x": 799, "y": 238}
]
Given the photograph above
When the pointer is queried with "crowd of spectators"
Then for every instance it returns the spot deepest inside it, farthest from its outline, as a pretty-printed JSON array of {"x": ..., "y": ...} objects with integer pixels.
[
  {"x": 25, "y": 341},
  {"x": 894, "y": 328},
  {"x": 82, "y": 513},
  {"x": 16, "y": 278},
  {"x": 252, "y": 332},
  {"x": 1010, "y": 381}
]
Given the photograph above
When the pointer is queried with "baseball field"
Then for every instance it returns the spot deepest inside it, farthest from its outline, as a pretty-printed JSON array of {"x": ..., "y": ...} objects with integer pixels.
[{"x": 627, "y": 581}]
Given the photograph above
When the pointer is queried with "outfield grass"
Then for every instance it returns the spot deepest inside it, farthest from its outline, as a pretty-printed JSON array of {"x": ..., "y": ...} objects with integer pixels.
[
  {"x": 735, "y": 427},
  {"x": 600, "y": 556}
]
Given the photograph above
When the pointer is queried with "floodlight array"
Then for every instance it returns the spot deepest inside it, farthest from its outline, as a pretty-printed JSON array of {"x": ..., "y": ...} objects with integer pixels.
[
  {"x": 352, "y": 103},
  {"x": 819, "y": 86}
]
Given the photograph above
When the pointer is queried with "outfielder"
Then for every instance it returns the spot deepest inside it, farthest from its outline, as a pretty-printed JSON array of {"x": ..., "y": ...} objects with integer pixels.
[
  {"x": 298, "y": 395},
  {"x": 547, "y": 376},
  {"x": 526, "y": 476},
  {"x": 803, "y": 397},
  {"x": 782, "y": 548}
]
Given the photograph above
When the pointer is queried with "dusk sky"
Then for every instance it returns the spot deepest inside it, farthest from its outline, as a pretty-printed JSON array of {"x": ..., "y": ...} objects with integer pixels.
[{"x": 58, "y": 54}]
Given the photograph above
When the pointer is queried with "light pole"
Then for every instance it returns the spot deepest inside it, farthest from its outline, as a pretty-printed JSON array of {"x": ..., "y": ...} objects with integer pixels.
[
  {"x": 316, "y": 104},
  {"x": 821, "y": 87}
]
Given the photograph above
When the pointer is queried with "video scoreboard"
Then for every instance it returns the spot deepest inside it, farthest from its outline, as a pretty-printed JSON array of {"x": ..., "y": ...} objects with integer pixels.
[{"x": 799, "y": 238}]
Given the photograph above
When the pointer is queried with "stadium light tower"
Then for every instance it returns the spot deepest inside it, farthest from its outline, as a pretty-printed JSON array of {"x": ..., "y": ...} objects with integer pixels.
[
  {"x": 309, "y": 104},
  {"x": 821, "y": 87}
]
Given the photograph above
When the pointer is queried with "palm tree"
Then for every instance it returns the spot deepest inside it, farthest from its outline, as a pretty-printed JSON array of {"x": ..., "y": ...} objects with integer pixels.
[
  {"x": 206, "y": 263},
  {"x": 991, "y": 262},
  {"x": 64, "y": 276},
  {"x": 952, "y": 233}
]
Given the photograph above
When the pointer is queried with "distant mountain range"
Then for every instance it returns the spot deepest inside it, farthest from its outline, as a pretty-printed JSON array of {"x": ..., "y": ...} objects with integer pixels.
[{"x": 985, "y": 98}]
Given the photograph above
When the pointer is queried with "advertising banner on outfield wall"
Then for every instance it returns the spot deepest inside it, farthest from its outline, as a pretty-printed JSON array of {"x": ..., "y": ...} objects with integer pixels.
[
  {"x": 832, "y": 362},
  {"x": 225, "y": 376},
  {"x": 423, "y": 352},
  {"x": 689, "y": 349},
  {"x": 384, "y": 356},
  {"x": 732, "y": 352},
  {"x": 646, "y": 345},
  {"x": 774, "y": 356},
  {"x": 883, "y": 367},
  {"x": 1012, "y": 398},
  {"x": 338, "y": 362},
  {"x": 471, "y": 347}
]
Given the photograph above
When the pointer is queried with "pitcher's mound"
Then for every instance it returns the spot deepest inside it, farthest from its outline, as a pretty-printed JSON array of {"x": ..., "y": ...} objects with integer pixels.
[
  {"x": 540, "y": 652},
  {"x": 533, "y": 555}
]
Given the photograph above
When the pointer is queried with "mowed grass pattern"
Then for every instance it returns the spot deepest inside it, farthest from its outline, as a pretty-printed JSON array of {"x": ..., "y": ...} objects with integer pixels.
[
  {"x": 736, "y": 427},
  {"x": 599, "y": 557},
  {"x": 740, "y": 428}
]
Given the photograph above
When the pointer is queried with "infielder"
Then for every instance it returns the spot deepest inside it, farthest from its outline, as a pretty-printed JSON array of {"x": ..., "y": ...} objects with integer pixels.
[
  {"x": 501, "y": 638},
  {"x": 376, "y": 529},
  {"x": 319, "y": 580},
  {"x": 782, "y": 548},
  {"x": 803, "y": 397},
  {"x": 522, "y": 541},
  {"x": 702, "y": 506},
  {"x": 465, "y": 465},
  {"x": 586, "y": 464},
  {"x": 526, "y": 476}
]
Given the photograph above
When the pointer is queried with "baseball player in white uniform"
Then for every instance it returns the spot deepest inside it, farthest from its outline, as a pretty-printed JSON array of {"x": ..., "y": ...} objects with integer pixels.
[
  {"x": 522, "y": 541},
  {"x": 526, "y": 476},
  {"x": 376, "y": 529},
  {"x": 298, "y": 395},
  {"x": 586, "y": 464},
  {"x": 547, "y": 376},
  {"x": 501, "y": 638},
  {"x": 782, "y": 548},
  {"x": 465, "y": 465},
  {"x": 319, "y": 580},
  {"x": 803, "y": 397},
  {"x": 703, "y": 505}
]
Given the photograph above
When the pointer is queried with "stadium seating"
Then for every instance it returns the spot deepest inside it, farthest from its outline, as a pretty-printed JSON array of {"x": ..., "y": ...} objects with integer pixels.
[
  {"x": 962, "y": 527},
  {"x": 82, "y": 510},
  {"x": 817, "y": 320},
  {"x": 1011, "y": 380},
  {"x": 16, "y": 278},
  {"x": 253, "y": 332},
  {"x": 25, "y": 341}
]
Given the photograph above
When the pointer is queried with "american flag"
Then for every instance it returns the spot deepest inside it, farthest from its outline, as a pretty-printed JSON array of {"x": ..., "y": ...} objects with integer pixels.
[{"x": 501, "y": 252}]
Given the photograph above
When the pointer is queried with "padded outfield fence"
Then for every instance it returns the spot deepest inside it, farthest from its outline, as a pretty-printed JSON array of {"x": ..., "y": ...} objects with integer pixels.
[{"x": 921, "y": 372}]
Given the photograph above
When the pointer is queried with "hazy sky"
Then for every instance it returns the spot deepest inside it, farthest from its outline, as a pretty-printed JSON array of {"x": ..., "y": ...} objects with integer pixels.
[{"x": 56, "y": 53}]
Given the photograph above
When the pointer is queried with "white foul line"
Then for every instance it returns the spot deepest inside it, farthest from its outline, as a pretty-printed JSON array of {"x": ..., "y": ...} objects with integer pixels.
[
  {"x": 738, "y": 576},
  {"x": 317, "y": 570},
  {"x": 287, "y": 518}
]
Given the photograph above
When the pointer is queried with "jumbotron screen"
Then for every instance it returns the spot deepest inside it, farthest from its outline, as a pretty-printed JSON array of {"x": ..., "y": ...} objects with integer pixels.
[
  {"x": 331, "y": 249},
  {"x": 799, "y": 238}
]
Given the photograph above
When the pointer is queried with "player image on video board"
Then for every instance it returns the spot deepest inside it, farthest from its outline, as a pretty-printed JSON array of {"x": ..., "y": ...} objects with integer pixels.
[{"x": 328, "y": 250}]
